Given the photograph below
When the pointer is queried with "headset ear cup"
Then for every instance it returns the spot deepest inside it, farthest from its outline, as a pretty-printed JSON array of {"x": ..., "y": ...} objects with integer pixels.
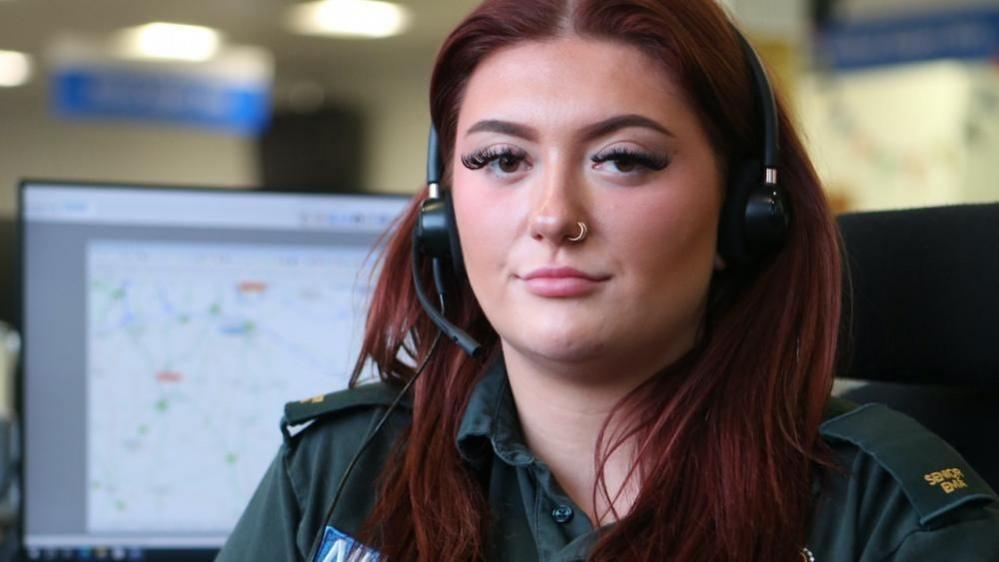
[
  {"x": 454, "y": 242},
  {"x": 755, "y": 217},
  {"x": 732, "y": 242},
  {"x": 431, "y": 229},
  {"x": 437, "y": 234},
  {"x": 767, "y": 219}
]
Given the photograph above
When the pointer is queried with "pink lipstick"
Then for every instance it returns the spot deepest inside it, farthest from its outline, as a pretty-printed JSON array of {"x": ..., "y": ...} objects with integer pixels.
[{"x": 561, "y": 282}]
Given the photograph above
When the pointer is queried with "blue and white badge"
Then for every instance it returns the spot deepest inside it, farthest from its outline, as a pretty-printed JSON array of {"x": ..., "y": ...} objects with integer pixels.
[{"x": 339, "y": 547}]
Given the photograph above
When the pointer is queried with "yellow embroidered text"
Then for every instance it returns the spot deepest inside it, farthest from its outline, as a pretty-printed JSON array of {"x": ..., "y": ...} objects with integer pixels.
[{"x": 949, "y": 479}]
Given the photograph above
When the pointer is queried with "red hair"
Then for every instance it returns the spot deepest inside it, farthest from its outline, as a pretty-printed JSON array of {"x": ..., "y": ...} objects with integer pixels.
[{"x": 727, "y": 436}]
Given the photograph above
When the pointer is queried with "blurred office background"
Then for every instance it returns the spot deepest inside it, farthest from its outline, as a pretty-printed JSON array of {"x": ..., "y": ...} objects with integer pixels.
[{"x": 898, "y": 99}]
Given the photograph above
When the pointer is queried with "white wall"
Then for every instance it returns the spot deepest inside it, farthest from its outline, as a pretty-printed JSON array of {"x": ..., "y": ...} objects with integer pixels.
[
  {"x": 35, "y": 144},
  {"x": 785, "y": 20},
  {"x": 397, "y": 113},
  {"x": 907, "y": 136},
  {"x": 981, "y": 180}
]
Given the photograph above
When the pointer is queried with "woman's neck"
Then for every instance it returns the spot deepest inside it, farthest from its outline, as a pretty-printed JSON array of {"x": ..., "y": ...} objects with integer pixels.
[{"x": 561, "y": 415}]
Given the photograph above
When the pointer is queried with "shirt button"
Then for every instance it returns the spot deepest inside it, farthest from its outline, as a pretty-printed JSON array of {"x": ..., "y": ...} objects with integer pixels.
[{"x": 562, "y": 514}]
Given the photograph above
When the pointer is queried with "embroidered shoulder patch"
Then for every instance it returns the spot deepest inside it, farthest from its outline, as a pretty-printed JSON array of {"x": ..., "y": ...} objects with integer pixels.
[
  {"x": 930, "y": 472},
  {"x": 340, "y": 547}
]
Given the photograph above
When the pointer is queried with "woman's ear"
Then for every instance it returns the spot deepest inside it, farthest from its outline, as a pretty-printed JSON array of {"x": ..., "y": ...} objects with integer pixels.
[{"x": 720, "y": 264}]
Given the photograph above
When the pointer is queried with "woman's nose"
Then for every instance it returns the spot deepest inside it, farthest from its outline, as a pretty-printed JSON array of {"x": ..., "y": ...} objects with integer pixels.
[{"x": 559, "y": 208}]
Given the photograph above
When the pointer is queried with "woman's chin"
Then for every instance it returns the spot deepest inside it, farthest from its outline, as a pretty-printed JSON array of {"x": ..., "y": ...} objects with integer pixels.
[{"x": 569, "y": 347}]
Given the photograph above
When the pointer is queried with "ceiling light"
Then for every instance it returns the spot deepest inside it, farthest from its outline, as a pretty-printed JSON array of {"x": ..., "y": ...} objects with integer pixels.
[
  {"x": 355, "y": 18},
  {"x": 169, "y": 41},
  {"x": 15, "y": 68}
]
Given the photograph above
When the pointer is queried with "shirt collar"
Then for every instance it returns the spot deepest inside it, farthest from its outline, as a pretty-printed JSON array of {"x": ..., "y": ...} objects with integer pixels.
[{"x": 491, "y": 422}]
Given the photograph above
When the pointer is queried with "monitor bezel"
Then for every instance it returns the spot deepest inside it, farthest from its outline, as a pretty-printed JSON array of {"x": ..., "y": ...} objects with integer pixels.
[{"x": 19, "y": 255}]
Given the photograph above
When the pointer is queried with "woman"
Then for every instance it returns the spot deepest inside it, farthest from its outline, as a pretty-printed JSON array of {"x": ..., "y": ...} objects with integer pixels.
[{"x": 649, "y": 389}]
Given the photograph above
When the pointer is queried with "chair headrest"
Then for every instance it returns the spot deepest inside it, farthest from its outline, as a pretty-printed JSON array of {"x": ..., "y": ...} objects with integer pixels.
[{"x": 925, "y": 295}]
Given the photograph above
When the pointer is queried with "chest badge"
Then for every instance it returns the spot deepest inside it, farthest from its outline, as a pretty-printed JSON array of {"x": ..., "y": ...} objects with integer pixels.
[{"x": 340, "y": 547}]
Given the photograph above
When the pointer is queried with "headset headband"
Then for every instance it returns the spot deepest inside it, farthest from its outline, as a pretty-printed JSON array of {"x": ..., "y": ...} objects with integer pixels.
[{"x": 767, "y": 107}]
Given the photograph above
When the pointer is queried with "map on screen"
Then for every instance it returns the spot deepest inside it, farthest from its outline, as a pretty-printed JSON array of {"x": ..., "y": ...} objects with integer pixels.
[{"x": 192, "y": 349}]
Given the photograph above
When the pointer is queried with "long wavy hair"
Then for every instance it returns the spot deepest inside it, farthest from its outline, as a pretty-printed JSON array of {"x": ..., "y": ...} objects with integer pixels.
[{"x": 727, "y": 437}]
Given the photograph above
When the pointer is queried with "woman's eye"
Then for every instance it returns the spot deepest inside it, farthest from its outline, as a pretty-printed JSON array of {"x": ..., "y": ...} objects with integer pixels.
[
  {"x": 501, "y": 161},
  {"x": 625, "y": 165},
  {"x": 506, "y": 164},
  {"x": 627, "y": 161}
]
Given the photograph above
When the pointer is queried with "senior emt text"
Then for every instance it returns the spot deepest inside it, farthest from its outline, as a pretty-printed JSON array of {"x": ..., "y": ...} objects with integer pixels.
[{"x": 641, "y": 397}]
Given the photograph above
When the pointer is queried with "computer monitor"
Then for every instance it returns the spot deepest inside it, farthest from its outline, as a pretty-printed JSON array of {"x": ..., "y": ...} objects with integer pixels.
[{"x": 163, "y": 331}]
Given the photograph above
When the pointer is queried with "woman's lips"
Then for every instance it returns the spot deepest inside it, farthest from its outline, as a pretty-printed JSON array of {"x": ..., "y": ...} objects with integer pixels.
[{"x": 561, "y": 282}]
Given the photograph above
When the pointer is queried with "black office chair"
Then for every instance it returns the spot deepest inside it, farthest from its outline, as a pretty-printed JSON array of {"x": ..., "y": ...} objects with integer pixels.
[{"x": 921, "y": 330}]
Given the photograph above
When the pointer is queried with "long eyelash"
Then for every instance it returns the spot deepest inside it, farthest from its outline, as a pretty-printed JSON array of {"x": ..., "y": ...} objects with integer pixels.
[
  {"x": 481, "y": 158},
  {"x": 648, "y": 160}
]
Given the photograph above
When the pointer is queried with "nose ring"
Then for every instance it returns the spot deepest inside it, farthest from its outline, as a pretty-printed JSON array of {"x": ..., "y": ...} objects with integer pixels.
[{"x": 583, "y": 231}]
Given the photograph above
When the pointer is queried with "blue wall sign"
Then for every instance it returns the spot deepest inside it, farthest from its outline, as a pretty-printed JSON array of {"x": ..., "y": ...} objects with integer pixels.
[
  {"x": 209, "y": 102},
  {"x": 969, "y": 34}
]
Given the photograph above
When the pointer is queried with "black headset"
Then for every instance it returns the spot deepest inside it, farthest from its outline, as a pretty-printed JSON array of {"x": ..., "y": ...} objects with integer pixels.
[
  {"x": 756, "y": 214},
  {"x": 753, "y": 224}
]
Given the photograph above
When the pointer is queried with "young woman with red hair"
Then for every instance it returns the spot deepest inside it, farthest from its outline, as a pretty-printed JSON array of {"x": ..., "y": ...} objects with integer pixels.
[{"x": 653, "y": 383}]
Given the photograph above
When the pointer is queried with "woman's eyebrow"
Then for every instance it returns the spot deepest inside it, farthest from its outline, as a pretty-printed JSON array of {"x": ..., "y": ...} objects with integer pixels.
[
  {"x": 608, "y": 126},
  {"x": 596, "y": 130},
  {"x": 504, "y": 127}
]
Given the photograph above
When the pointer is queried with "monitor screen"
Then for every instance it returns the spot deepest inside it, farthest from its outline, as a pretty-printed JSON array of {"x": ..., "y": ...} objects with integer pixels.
[{"x": 164, "y": 329}]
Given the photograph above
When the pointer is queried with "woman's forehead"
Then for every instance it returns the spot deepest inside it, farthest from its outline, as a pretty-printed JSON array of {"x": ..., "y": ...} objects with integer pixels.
[{"x": 571, "y": 79}]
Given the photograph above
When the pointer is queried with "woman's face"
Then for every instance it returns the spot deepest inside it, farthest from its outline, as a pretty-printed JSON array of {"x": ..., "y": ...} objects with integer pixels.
[{"x": 551, "y": 134}]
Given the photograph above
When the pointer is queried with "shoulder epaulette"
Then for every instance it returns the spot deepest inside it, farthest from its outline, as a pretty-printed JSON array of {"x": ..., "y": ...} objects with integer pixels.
[
  {"x": 934, "y": 476},
  {"x": 301, "y": 412}
]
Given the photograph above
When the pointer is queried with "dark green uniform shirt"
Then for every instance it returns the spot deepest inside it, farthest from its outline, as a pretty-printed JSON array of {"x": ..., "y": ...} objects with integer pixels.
[{"x": 904, "y": 495}]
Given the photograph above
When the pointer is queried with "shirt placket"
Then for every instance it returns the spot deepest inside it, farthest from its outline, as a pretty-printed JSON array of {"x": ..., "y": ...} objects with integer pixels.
[{"x": 562, "y": 532}]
